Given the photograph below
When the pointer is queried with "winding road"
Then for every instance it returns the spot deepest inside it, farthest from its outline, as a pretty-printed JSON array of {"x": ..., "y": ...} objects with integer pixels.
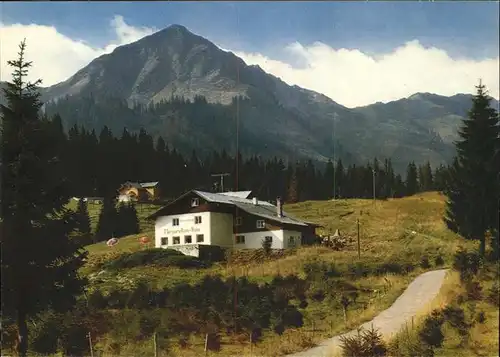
[{"x": 417, "y": 295}]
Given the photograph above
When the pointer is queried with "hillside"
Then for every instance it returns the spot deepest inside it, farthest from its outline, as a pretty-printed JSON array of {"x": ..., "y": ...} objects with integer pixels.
[
  {"x": 413, "y": 232},
  {"x": 271, "y": 117}
]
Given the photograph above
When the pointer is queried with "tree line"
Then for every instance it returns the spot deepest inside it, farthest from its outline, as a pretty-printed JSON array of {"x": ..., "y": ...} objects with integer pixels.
[{"x": 97, "y": 164}]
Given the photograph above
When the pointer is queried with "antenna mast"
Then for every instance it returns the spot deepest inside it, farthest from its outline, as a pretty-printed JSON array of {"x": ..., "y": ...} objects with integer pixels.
[{"x": 221, "y": 179}]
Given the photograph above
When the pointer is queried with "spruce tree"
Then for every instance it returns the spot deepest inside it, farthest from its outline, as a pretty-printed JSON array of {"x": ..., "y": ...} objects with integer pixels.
[
  {"x": 473, "y": 187},
  {"x": 411, "y": 179},
  {"x": 39, "y": 260},
  {"x": 108, "y": 220},
  {"x": 132, "y": 219},
  {"x": 83, "y": 220}
]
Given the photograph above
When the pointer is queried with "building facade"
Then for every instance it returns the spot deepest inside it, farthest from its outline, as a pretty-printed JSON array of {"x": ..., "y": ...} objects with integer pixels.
[
  {"x": 138, "y": 191},
  {"x": 228, "y": 219}
]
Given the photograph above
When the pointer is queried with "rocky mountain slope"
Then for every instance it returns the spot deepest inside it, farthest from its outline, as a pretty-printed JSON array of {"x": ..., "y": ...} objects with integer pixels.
[{"x": 271, "y": 117}]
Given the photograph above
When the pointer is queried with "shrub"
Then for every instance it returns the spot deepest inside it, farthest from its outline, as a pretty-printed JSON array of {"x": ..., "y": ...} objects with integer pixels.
[
  {"x": 96, "y": 300},
  {"x": 358, "y": 270},
  {"x": 467, "y": 264},
  {"x": 389, "y": 268},
  {"x": 455, "y": 316},
  {"x": 45, "y": 334},
  {"x": 481, "y": 317},
  {"x": 473, "y": 290},
  {"x": 155, "y": 256},
  {"x": 266, "y": 246},
  {"x": 424, "y": 262},
  {"x": 439, "y": 261},
  {"x": 366, "y": 344},
  {"x": 320, "y": 271},
  {"x": 493, "y": 295},
  {"x": 431, "y": 333}
]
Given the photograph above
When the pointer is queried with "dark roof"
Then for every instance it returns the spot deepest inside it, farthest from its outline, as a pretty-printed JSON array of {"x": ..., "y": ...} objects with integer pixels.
[
  {"x": 262, "y": 209},
  {"x": 140, "y": 184}
]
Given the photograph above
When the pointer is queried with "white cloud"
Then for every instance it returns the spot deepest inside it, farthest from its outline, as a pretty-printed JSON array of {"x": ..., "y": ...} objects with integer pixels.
[
  {"x": 353, "y": 78},
  {"x": 350, "y": 77},
  {"x": 55, "y": 56}
]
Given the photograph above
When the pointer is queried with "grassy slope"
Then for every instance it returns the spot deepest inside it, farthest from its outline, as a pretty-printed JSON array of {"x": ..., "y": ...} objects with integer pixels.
[{"x": 386, "y": 235}]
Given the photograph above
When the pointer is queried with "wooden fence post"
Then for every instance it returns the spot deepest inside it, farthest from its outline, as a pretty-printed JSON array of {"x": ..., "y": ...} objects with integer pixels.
[
  {"x": 90, "y": 345},
  {"x": 155, "y": 344}
]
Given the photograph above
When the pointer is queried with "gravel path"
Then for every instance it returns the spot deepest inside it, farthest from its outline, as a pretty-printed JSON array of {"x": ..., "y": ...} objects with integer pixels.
[{"x": 419, "y": 293}]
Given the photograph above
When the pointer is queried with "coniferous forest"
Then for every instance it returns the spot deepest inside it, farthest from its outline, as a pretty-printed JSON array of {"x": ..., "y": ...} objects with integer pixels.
[{"x": 97, "y": 163}]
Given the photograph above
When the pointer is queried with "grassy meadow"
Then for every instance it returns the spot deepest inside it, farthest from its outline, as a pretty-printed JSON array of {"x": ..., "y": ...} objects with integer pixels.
[{"x": 396, "y": 230}]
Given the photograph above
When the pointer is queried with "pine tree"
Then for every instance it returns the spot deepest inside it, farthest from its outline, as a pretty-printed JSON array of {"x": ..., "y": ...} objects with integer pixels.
[
  {"x": 425, "y": 179},
  {"x": 292, "y": 196},
  {"x": 39, "y": 260},
  {"x": 108, "y": 220},
  {"x": 411, "y": 179},
  {"x": 83, "y": 220},
  {"x": 473, "y": 186}
]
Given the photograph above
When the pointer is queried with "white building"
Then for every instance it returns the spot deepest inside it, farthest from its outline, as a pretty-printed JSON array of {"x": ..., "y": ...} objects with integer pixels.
[{"x": 228, "y": 219}]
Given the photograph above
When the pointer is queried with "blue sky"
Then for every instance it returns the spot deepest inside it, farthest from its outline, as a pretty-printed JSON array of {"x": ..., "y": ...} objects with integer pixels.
[{"x": 463, "y": 30}]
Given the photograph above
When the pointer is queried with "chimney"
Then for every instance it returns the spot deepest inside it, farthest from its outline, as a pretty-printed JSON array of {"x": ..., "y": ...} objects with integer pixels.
[
  {"x": 279, "y": 207},
  {"x": 254, "y": 200}
]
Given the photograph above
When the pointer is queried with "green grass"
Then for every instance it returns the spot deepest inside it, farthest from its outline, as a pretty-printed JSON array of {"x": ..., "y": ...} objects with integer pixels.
[
  {"x": 385, "y": 235},
  {"x": 143, "y": 211}
]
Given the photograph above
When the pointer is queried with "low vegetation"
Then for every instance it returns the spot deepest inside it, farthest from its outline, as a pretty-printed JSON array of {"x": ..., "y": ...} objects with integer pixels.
[
  {"x": 335, "y": 291},
  {"x": 463, "y": 321}
]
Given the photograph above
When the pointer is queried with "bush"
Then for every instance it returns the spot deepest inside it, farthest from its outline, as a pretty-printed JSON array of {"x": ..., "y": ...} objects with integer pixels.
[
  {"x": 366, "y": 344},
  {"x": 439, "y": 261},
  {"x": 45, "y": 334},
  {"x": 455, "y": 316},
  {"x": 320, "y": 271},
  {"x": 266, "y": 246},
  {"x": 155, "y": 256},
  {"x": 473, "y": 290},
  {"x": 424, "y": 263},
  {"x": 96, "y": 300},
  {"x": 481, "y": 317},
  {"x": 431, "y": 333},
  {"x": 358, "y": 270},
  {"x": 389, "y": 268},
  {"x": 467, "y": 264},
  {"x": 493, "y": 295}
]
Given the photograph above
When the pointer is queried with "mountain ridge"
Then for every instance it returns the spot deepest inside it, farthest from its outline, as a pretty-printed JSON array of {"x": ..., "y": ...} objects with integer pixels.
[{"x": 174, "y": 62}]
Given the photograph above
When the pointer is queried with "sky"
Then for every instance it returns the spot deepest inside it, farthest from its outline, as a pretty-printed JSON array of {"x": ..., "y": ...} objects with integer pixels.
[{"x": 356, "y": 53}]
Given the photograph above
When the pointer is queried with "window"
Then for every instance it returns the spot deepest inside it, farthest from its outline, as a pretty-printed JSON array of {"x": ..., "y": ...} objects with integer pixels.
[
  {"x": 188, "y": 239},
  {"x": 176, "y": 240},
  {"x": 240, "y": 239},
  {"x": 197, "y": 219},
  {"x": 175, "y": 222},
  {"x": 200, "y": 238},
  {"x": 291, "y": 240},
  {"x": 238, "y": 221},
  {"x": 164, "y": 241},
  {"x": 195, "y": 202},
  {"x": 261, "y": 223},
  {"x": 269, "y": 239}
]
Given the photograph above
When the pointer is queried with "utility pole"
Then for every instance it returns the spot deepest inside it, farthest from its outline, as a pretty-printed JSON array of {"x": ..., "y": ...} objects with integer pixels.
[
  {"x": 373, "y": 171},
  {"x": 221, "y": 179},
  {"x": 333, "y": 162},
  {"x": 359, "y": 247}
]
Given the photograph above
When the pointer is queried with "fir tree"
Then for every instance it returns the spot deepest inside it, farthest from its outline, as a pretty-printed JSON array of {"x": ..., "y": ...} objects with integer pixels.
[
  {"x": 473, "y": 186},
  {"x": 108, "y": 219},
  {"x": 39, "y": 261},
  {"x": 411, "y": 179},
  {"x": 83, "y": 220},
  {"x": 425, "y": 179}
]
